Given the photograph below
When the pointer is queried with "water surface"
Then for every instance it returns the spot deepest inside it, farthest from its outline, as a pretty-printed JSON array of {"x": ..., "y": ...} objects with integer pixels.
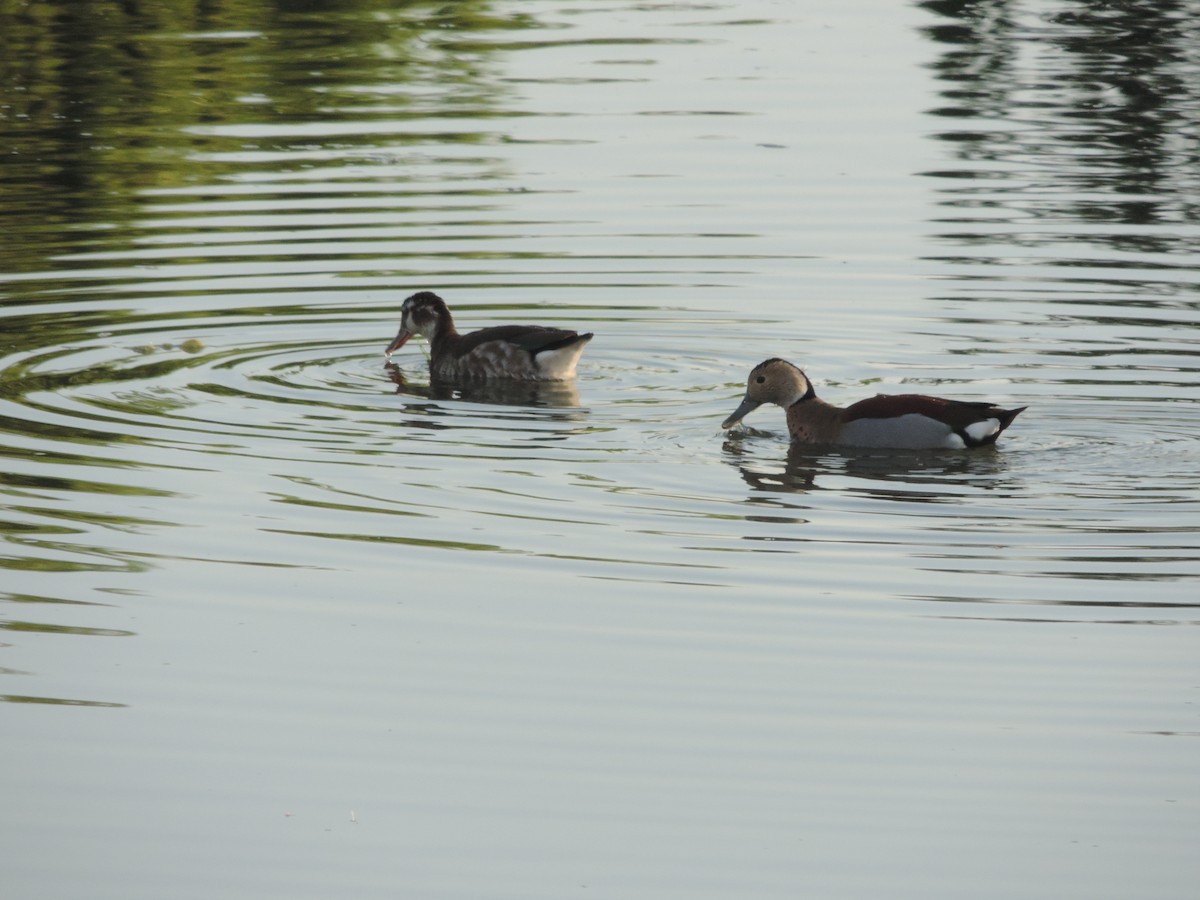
[{"x": 279, "y": 619}]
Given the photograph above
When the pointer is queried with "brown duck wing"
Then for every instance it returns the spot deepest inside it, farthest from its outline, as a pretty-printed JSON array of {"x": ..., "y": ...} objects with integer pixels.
[
  {"x": 889, "y": 406},
  {"x": 955, "y": 413}
]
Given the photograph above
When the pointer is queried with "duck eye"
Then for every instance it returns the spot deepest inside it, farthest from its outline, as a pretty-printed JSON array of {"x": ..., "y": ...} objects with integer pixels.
[{"x": 761, "y": 378}]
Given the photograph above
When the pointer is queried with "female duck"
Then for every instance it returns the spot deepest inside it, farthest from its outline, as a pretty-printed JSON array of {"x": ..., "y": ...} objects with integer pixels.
[
  {"x": 527, "y": 352},
  {"x": 898, "y": 421}
]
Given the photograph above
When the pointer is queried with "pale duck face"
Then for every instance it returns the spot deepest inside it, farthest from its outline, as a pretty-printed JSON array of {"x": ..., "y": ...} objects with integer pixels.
[
  {"x": 419, "y": 314},
  {"x": 773, "y": 381},
  {"x": 423, "y": 314}
]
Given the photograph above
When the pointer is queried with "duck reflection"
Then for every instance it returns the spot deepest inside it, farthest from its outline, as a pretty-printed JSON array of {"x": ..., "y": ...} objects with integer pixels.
[
  {"x": 887, "y": 475},
  {"x": 500, "y": 392}
]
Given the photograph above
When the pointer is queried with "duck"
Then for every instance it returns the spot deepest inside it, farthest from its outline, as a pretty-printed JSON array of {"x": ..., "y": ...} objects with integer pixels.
[
  {"x": 521, "y": 352},
  {"x": 885, "y": 421}
]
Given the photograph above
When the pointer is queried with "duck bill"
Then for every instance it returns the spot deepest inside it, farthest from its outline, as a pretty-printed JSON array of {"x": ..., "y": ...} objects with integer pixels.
[
  {"x": 399, "y": 341},
  {"x": 744, "y": 409}
]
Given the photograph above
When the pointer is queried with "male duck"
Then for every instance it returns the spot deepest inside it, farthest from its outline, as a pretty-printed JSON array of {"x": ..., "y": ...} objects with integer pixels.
[
  {"x": 527, "y": 352},
  {"x": 897, "y": 421}
]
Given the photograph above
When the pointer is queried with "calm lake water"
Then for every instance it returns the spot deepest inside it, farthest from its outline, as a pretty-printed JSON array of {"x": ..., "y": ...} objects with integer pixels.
[{"x": 279, "y": 621}]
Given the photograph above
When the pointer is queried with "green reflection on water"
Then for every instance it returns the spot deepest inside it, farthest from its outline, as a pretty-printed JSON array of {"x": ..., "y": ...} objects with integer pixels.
[
  {"x": 104, "y": 102},
  {"x": 58, "y": 701},
  {"x": 24, "y": 483},
  {"x": 46, "y": 628},
  {"x": 397, "y": 539}
]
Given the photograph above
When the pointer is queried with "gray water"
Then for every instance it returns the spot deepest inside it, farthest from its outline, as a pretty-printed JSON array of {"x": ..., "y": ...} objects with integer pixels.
[{"x": 281, "y": 621}]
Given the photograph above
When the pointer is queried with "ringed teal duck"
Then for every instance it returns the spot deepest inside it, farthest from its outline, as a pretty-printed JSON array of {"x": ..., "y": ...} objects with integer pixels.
[
  {"x": 525, "y": 352},
  {"x": 896, "y": 421}
]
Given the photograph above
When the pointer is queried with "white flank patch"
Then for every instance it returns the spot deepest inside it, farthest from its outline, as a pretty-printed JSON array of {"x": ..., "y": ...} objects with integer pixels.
[
  {"x": 560, "y": 364},
  {"x": 954, "y": 442},
  {"x": 981, "y": 431}
]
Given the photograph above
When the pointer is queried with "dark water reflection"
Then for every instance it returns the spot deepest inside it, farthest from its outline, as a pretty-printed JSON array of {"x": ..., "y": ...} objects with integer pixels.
[
  {"x": 1072, "y": 114},
  {"x": 804, "y": 465},
  {"x": 552, "y": 394},
  {"x": 106, "y": 110}
]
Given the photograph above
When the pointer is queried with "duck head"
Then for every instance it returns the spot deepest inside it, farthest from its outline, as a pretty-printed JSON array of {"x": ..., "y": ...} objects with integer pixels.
[
  {"x": 772, "y": 381},
  {"x": 423, "y": 313}
]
